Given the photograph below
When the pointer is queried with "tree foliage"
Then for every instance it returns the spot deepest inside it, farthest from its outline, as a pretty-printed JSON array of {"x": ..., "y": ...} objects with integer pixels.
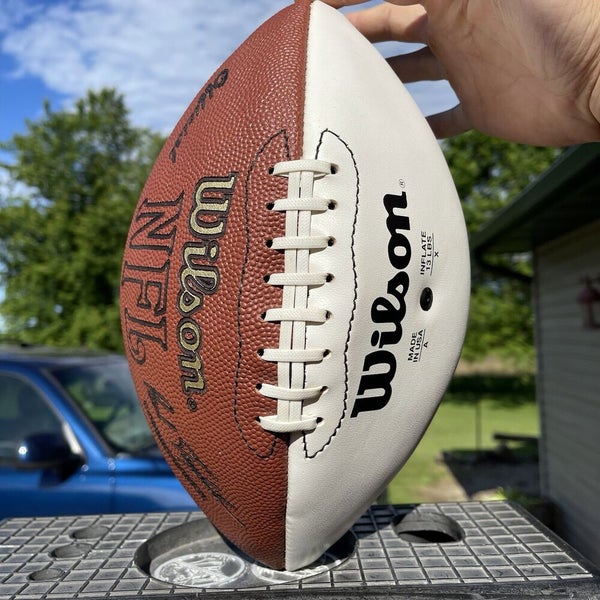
[
  {"x": 489, "y": 173},
  {"x": 61, "y": 242}
]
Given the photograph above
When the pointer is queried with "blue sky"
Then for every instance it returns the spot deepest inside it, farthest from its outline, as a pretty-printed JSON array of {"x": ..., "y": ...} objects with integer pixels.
[{"x": 157, "y": 53}]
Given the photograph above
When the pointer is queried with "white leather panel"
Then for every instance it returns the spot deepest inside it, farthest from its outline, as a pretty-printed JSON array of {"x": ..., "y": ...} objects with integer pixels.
[{"x": 359, "y": 115}]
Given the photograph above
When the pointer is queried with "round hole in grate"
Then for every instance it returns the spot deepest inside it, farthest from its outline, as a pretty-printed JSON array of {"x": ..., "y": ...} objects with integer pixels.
[
  {"x": 71, "y": 551},
  {"x": 50, "y": 574},
  {"x": 195, "y": 555},
  {"x": 427, "y": 528},
  {"x": 92, "y": 532}
]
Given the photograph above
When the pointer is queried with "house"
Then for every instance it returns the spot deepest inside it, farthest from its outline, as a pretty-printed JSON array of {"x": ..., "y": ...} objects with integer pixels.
[{"x": 557, "y": 218}]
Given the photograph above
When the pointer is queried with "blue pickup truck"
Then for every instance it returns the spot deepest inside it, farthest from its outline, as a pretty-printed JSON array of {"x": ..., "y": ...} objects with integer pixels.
[{"x": 74, "y": 440}]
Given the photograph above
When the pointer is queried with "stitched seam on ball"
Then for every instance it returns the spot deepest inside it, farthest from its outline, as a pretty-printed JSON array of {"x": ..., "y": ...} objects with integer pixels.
[
  {"x": 346, "y": 383},
  {"x": 283, "y": 133}
]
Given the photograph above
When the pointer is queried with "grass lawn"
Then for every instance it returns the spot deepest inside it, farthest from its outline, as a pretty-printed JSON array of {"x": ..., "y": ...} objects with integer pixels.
[{"x": 474, "y": 408}]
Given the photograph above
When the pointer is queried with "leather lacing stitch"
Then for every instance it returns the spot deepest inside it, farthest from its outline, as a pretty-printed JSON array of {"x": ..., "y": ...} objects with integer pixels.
[{"x": 294, "y": 313}]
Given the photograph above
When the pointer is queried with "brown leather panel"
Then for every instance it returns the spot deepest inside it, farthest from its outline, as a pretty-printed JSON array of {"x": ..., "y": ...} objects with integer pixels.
[{"x": 192, "y": 287}]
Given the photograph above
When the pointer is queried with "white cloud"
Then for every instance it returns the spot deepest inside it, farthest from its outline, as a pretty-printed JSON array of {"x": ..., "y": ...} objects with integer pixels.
[
  {"x": 158, "y": 54},
  {"x": 14, "y": 11}
]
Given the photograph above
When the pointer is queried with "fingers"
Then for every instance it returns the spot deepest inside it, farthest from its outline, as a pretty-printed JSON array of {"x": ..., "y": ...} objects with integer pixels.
[
  {"x": 449, "y": 123},
  {"x": 421, "y": 65},
  {"x": 406, "y": 21},
  {"x": 386, "y": 22},
  {"x": 340, "y": 3}
]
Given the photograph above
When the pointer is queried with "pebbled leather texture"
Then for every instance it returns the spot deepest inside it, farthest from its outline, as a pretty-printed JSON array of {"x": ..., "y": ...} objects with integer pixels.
[
  {"x": 194, "y": 298},
  {"x": 198, "y": 315}
]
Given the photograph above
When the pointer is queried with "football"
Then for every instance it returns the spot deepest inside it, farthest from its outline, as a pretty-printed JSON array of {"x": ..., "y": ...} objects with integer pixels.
[{"x": 295, "y": 286}]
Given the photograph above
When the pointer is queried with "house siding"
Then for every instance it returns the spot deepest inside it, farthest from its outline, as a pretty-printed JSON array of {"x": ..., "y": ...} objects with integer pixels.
[{"x": 569, "y": 387}]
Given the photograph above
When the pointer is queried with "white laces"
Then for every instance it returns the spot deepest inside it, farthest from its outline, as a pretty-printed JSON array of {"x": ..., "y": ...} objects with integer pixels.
[{"x": 294, "y": 313}]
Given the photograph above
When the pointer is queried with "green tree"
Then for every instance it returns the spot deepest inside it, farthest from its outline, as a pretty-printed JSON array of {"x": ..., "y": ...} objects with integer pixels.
[
  {"x": 489, "y": 173},
  {"x": 61, "y": 243}
]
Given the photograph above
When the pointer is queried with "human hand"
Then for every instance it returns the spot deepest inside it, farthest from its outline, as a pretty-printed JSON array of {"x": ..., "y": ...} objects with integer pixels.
[{"x": 524, "y": 70}]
